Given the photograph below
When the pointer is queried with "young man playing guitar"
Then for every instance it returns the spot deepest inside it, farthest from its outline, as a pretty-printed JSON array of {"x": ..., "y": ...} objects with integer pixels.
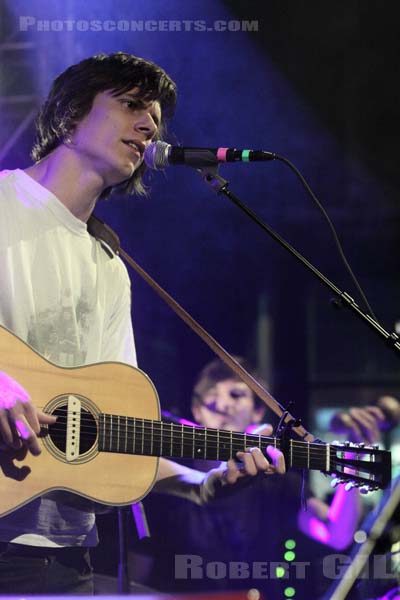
[{"x": 68, "y": 297}]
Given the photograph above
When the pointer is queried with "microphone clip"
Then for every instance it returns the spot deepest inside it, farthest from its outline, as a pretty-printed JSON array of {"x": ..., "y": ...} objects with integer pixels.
[{"x": 212, "y": 178}]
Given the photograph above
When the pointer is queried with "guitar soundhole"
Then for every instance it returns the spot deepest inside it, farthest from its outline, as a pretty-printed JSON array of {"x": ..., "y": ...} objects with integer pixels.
[{"x": 88, "y": 430}]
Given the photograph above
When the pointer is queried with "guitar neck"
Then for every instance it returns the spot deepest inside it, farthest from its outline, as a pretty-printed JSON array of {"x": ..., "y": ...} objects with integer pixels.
[{"x": 132, "y": 435}]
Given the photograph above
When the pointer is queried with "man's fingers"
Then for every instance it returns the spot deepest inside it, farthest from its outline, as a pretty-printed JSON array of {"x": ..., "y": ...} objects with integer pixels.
[
  {"x": 28, "y": 435},
  {"x": 364, "y": 424},
  {"x": 15, "y": 430},
  {"x": 31, "y": 416},
  {"x": 247, "y": 460},
  {"x": 232, "y": 471},
  {"x": 46, "y": 419},
  {"x": 278, "y": 460},
  {"x": 7, "y": 434}
]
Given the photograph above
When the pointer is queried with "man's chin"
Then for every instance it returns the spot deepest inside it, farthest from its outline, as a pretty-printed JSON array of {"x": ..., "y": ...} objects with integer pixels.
[
  {"x": 230, "y": 426},
  {"x": 123, "y": 173}
]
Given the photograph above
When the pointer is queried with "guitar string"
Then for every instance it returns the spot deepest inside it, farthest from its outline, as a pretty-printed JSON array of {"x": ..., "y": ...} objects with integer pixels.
[
  {"x": 237, "y": 445},
  {"x": 188, "y": 446},
  {"x": 133, "y": 422},
  {"x": 152, "y": 428},
  {"x": 312, "y": 451},
  {"x": 313, "y": 462},
  {"x": 158, "y": 432}
]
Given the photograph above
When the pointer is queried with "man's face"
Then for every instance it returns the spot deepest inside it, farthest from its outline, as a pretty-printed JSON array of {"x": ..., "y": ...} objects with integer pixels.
[
  {"x": 111, "y": 138},
  {"x": 229, "y": 404}
]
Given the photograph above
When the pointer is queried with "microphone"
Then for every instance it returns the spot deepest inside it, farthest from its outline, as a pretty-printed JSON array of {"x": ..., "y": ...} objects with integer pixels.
[{"x": 159, "y": 155}]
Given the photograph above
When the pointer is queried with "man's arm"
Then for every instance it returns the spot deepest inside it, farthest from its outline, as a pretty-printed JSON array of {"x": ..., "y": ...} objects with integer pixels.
[
  {"x": 200, "y": 487},
  {"x": 332, "y": 525}
]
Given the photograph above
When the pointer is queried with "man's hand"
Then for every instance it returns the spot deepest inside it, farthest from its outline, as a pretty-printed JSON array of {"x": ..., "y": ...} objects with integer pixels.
[
  {"x": 362, "y": 424},
  {"x": 19, "y": 418},
  {"x": 253, "y": 460}
]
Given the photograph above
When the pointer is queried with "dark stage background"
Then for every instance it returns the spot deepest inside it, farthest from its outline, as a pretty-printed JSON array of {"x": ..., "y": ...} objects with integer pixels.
[{"x": 317, "y": 82}]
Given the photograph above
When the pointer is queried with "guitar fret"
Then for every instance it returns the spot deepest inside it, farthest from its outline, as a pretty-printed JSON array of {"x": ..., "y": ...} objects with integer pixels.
[
  {"x": 151, "y": 438},
  {"x": 126, "y": 435},
  {"x": 142, "y": 435},
  {"x": 328, "y": 462},
  {"x": 118, "y": 427},
  {"x": 291, "y": 452},
  {"x": 182, "y": 440},
  {"x": 217, "y": 444},
  {"x": 172, "y": 433},
  {"x": 134, "y": 437},
  {"x": 111, "y": 433},
  {"x": 161, "y": 439},
  {"x": 193, "y": 441},
  {"x": 308, "y": 455},
  {"x": 205, "y": 442}
]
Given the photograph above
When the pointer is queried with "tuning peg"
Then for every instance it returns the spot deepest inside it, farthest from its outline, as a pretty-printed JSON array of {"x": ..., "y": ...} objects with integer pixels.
[
  {"x": 350, "y": 485},
  {"x": 336, "y": 481}
]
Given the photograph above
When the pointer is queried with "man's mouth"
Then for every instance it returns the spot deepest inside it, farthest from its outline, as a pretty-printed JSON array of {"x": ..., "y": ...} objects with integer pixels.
[{"x": 137, "y": 146}]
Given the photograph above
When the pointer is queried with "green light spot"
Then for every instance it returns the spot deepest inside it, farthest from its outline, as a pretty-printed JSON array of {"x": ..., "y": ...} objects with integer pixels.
[
  {"x": 289, "y": 555},
  {"x": 280, "y": 572},
  {"x": 289, "y": 592},
  {"x": 290, "y": 544}
]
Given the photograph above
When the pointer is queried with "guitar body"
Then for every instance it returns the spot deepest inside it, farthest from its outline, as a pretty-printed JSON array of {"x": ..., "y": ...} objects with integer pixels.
[{"x": 109, "y": 478}]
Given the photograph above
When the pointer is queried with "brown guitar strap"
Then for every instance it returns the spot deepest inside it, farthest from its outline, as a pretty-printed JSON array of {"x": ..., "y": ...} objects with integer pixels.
[{"x": 106, "y": 235}]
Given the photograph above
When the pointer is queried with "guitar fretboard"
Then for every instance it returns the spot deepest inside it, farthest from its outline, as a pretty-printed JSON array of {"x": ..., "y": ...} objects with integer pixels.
[{"x": 132, "y": 435}]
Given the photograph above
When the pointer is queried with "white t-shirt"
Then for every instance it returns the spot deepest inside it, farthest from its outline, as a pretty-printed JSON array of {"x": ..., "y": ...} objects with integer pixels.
[{"x": 70, "y": 300}]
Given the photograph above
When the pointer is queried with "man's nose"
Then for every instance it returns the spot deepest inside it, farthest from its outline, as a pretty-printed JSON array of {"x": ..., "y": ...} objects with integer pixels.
[
  {"x": 145, "y": 124},
  {"x": 225, "y": 402}
]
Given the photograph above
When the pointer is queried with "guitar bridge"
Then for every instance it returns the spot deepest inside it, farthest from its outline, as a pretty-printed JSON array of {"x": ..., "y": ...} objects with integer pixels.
[{"x": 73, "y": 428}]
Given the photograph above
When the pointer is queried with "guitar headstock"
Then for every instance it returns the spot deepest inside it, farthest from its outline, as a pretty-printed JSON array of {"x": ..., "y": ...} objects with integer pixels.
[{"x": 359, "y": 465}]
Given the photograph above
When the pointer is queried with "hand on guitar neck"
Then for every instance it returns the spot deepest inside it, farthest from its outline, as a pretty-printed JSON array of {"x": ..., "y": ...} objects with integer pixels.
[{"x": 20, "y": 420}]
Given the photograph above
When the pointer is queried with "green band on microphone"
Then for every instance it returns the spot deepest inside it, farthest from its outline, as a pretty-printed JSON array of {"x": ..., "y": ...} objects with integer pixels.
[{"x": 246, "y": 155}]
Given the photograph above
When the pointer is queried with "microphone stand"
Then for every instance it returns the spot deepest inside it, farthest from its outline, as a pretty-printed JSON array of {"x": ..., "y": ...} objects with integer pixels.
[{"x": 219, "y": 185}]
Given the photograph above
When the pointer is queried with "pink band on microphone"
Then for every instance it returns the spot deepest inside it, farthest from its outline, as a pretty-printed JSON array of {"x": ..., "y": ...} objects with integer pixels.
[{"x": 221, "y": 154}]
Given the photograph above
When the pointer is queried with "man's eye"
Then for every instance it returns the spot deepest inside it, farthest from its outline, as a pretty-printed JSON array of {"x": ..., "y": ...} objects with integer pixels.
[
  {"x": 235, "y": 394},
  {"x": 129, "y": 103}
]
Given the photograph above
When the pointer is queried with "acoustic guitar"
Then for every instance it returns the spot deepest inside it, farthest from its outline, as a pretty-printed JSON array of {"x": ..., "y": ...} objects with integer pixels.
[{"x": 107, "y": 438}]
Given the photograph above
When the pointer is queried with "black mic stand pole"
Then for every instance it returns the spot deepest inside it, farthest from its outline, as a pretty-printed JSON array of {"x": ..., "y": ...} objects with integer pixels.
[{"x": 219, "y": 185}]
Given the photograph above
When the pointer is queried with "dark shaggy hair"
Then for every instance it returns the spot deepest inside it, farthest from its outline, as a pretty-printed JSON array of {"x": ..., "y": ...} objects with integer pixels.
[
  {"x": 72, "y": 93},
  {"x": 216, "y": 371}
]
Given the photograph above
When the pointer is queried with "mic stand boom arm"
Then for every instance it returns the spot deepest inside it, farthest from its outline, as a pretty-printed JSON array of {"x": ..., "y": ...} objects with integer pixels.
[{"x": 220, "y": 186}]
